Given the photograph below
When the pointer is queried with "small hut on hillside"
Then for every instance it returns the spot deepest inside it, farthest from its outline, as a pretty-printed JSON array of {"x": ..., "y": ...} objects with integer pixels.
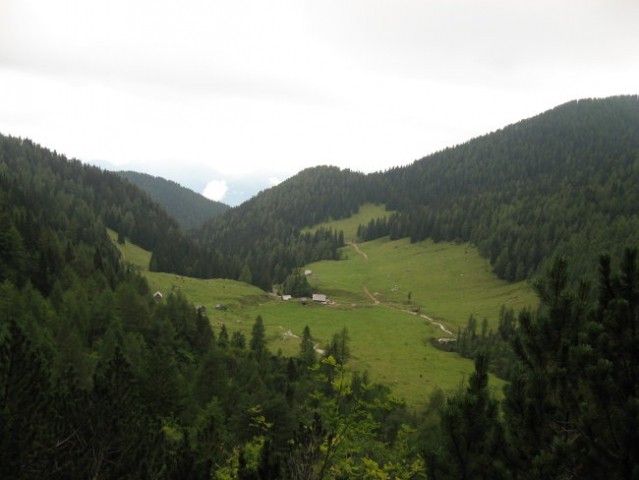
[{"x": 319, "y": 298}]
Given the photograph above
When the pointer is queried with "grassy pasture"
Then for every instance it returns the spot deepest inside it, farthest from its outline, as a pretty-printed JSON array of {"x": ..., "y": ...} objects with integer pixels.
[
  {"x": 447, "y": 282},
  {"x": 366, "y": 213},
  {"x": 390, "y": 344},
  {"x": 239, "y": 299},
  {"x": 132, "y": 253}
]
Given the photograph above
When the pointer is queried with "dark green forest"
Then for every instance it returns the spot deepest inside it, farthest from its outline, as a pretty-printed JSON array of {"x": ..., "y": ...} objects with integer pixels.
[
  {"x": 561, "y": 183},
  {"x": 261, "y": 240},
  {"x": 190, "y": 209},
  {"x": 100, "y": 380}
]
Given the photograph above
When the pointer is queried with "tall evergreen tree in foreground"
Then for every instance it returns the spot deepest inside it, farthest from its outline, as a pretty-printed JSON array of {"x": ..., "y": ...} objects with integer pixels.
[
  {"x": 573, "y": 409},
  {"x": 472, "y": 435},
  {"x": 258, "y": 337}
]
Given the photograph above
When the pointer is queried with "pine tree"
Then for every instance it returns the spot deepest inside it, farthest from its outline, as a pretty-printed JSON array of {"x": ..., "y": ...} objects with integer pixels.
[
  {"x": 118, "y": 432},
  {"x": 246, "y": 276},
  {"x": 223, "y": 339},
  {"x": 24, "y": 405},
  {"x": 258, "y": 337},
  {"x": 608, "y": 424},
  {"x": 340, "y": 348},
  {"x": 472, "y": 433},
  {"x": 238, "y": 340},
  {"x": 307, "y": 348}
]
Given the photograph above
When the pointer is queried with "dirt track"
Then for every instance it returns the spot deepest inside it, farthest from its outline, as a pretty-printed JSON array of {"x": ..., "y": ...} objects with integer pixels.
[
  {"x": 372, "y": 297},
  {"x": 356, "y": 247},
  {"x": 376, "y": 302}
]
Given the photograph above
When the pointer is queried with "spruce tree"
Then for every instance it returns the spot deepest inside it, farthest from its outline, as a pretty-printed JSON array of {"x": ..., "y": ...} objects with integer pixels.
[
  {"x": 472, "y": 433},
  {"x": 307, "y": 348},
  {"x": 258, "y": 337}
]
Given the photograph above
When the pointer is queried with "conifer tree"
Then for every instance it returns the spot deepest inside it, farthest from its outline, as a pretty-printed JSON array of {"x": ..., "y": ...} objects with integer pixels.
[
  {"x": 258, "y": 337},
  {"x": 608, "y": 424},
  {"x": 307, "y": 348},
  {"x": 472, "y": 433},
  {"x": 24, "y": 404},
  {"x": 238, "y": 340},
  {"x": 544, "y": 398},
  {"x": 223, "y": 339}
]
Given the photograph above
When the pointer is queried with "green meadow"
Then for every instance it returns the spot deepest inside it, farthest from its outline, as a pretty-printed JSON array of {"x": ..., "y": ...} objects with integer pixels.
[
  {"x": 387, "y": 294},
  {"x": 390, "y": 344},
  {"x": 445, "y": 281},
  {"x": 238, "y": 299},
  {"x": 349, "y": 225}
]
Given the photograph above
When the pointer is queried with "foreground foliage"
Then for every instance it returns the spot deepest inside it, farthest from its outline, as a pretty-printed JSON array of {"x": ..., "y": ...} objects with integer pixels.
[
  {"x": 571, "y": 406},
  {"x": 100, "y": 380}
]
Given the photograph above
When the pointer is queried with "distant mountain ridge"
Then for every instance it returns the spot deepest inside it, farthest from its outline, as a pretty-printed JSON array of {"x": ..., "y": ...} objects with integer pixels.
[
  {"x": 189, "y": 208},
  {"x": 560, "y": 183}
]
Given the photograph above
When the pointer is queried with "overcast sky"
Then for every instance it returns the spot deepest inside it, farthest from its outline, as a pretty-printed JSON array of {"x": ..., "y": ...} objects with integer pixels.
[{"x": 231, "y": 97}]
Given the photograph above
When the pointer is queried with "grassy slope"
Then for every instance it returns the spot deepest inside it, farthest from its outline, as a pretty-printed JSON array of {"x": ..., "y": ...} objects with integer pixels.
[
  {"x": 239, "y": 298},
  {"x": 349, "y": 225},
  {"x": 447, "y": 281}
]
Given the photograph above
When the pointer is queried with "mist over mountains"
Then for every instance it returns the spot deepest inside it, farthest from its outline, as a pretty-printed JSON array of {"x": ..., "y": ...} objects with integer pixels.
[{"x": 233, "y": 188}]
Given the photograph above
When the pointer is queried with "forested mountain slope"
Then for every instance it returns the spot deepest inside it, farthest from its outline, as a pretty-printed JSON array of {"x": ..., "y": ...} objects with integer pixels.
[
  {"x": 260, "y": 241},
  {"x": 82, "y": 342},
  {"x": 190, "y": 209},
  {"x": 561, "y": 183},
  {"x": 63, "y": 191}
]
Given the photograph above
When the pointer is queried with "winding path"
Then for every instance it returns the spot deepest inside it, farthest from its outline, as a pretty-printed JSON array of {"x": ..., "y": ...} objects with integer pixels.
[
  {"x": 444, "y": 329},
  {"x": 372, "y": 297},
  {"x": 376, "y": 302},
  {"x": 426, "y": 317},
  {"x": 356, "y": 247}
]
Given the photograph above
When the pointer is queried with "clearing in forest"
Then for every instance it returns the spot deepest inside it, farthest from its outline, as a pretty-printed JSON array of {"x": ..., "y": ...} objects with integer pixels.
[{"x": 445, "y": 282}]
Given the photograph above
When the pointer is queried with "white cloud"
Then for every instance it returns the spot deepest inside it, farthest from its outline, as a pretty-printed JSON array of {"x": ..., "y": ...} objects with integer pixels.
[
  {"x": 274, "y": 181},
  {"x": 215, "y": 190}
]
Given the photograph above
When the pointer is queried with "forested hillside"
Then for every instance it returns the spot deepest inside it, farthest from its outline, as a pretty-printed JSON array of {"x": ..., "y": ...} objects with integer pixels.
[
  {"x": 58, "y": 189},
  {"x": 561, "y": 183},
  {"x": 260, "y": 241},
  {"x": 190, "y": 209}
]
